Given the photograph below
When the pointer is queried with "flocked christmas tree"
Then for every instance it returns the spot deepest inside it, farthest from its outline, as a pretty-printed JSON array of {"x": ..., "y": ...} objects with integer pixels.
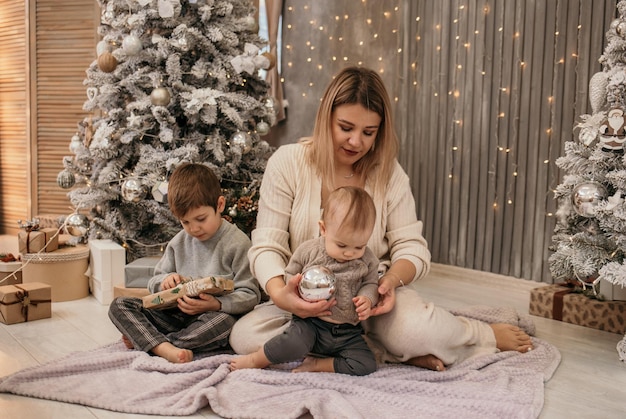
[{"x": 175, "y": 81}]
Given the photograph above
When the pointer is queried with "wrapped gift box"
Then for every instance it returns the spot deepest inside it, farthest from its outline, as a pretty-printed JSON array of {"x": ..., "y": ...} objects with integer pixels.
[
  {"x": 612, "y": 292},
  {"x": 121, "y": 291},
  {"x": 10, "y": 273},
  {"x": 64, "y": 270},
  {"x": 564, "y": 303},
  {"x": 107, "y": 260},
  {"x": 209, "y": 285},
  {"x": 44, "y": 239},
  {"x": 25, "y": 302},
  {"x": 138, "y": 272}
]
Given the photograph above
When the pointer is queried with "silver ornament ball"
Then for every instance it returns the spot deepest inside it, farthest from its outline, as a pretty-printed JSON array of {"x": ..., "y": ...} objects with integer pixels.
[
  {"x": 133, "y": 190},
  {"x": 160, "y": 96},
  {"x": 66, "y": 179},
  {"x": 132, "y": 45},
  {"x": 242, "y": 140},
  {"x": 263, "y": 128},
  {"x": 587, "y": 196},
  {"x": 318, "y": 283},
  {"x": 77, "y": 225}
]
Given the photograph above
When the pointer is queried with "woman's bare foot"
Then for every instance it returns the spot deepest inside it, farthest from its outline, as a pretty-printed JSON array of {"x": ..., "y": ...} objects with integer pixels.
[
  {"x": 172, "y": 353},
  {"x": 511, "y": 338},
  {"x": 312, "y": 364},
  {"x": 254, "y": 360},
  {"x": 127, "y": 342},
  {"x": 430, "y": 362}
]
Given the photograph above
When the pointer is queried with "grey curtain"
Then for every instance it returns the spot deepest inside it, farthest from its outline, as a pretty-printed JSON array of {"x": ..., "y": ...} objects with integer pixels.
[{"x": 486, "y": 94}]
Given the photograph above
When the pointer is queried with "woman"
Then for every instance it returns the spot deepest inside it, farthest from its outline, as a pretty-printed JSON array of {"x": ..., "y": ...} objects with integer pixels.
[{"x": 354, "y": 144}]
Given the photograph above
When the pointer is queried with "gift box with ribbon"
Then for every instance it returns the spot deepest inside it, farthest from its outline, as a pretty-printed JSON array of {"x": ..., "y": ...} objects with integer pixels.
[
  {"x": 191, "y": 288},
  {"x": 34, "y": 239},
  {"x": 566, "y": 303},
  {"x": 25, "y": 302}
]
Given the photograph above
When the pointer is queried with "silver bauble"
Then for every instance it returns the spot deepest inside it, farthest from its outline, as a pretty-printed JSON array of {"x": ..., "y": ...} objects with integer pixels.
[
  {"x": 262, "y": 128},
  {"x": 133, "y": 190},
  {"x": 77, "y": 225},
  {"x": 242, "y": 140},
  {"x": 160, "y": 96},
  {"x": 132, "y": 45},
  {"x": 318, "y": 283},
  {"x": 159, "y": 191},
  {"x": 586, "y": 197},
  {"x": 66, "y": 179}
]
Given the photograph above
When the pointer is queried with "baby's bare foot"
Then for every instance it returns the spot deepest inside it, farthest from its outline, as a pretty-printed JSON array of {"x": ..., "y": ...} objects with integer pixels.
[
  {"x": 430, "y": 362},
  {"x": 127, "y": 342},
  {"x": 511, "y": 338},
  {"x": 253, "y": 360},
  {"x": 173, "y": 353},
  {"x": 313, "y": 364}
]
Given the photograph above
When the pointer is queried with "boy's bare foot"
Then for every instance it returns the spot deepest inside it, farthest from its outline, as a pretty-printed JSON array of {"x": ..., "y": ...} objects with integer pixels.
[
  {"x": 127, "y": 342},
  {"x": 254, "y": 360},
  {"x": 312, "y": 364},
  {"x": 511, "y": 338},
  {"x": 172, "y": 353},
  {"x": 430, "y": 362}
]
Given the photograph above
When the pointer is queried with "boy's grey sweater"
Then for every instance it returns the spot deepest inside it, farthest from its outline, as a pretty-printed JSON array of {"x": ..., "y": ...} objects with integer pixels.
[{"x": 223, "y": 255}]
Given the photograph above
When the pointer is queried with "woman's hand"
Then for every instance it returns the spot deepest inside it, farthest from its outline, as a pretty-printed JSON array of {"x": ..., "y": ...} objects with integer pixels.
[
  {"x": 203, "y": 303},
  {"x": 387, "y": 291},
  {"x": 286, "y": 297}
]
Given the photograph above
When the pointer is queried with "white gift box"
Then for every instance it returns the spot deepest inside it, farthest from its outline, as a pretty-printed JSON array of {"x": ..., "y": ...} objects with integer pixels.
[
  {"x": 107, "y": 260},
  {"x": 612, "y": 292}
]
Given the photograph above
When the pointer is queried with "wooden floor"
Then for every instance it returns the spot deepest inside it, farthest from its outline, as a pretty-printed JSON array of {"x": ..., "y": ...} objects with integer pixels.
[{"x": 589, "y": 383}]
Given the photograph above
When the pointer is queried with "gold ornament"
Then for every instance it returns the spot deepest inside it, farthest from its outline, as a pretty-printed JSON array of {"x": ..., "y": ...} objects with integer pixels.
[
  {"x": 107, "y": 62},
  {"x": 160, "y": 96}
]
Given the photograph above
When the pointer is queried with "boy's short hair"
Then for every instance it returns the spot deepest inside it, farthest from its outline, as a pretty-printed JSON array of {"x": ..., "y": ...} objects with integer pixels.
[
  {"x": 360, "y": 211},
  {"x": 192, "y": 185}
]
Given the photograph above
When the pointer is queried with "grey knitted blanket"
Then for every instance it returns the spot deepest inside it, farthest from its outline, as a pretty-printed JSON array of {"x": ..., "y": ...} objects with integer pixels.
[{"x": 502, "y": 385}]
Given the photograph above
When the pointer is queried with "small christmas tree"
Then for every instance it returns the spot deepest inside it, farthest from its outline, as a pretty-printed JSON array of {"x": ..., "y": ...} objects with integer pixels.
[{"x": 174, "y": 81}]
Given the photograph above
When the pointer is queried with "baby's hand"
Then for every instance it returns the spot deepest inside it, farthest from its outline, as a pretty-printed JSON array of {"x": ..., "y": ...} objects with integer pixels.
[
  {"x": 171, "y": 281},
  {"x": 363, "y": 307}
]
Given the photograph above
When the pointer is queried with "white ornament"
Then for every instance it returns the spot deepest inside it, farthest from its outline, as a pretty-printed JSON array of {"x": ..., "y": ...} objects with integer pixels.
[
  {"x": 92, "y": 92},
  {"x": 597, "y": 90},
  {"x": 615, "y": 200},
  {"x": 75, "y": 144},
  {"x": 132, "y": 45},
  {"x": 101, "y": 47},
  {"x": 166, "y": 8}
]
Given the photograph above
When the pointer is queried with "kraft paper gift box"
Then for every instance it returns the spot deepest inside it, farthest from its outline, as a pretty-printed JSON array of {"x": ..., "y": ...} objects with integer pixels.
[
  {"x": 565, "y": 304},
  {"x": 107, "y": 260},
  {"x": 25, "y": 302},
  {"x": 34, "y": 241},
  {"x": 191, "y": 288},
  {"x": 138, "y": 272},
  {"x": 65, "y": 270},
  {"x": 9, "y": 273}
]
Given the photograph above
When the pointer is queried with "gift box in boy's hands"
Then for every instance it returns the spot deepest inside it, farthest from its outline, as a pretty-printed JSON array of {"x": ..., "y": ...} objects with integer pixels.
[
  {"x": 25, "y": 302},
  {"x": 191, "y": 288}
]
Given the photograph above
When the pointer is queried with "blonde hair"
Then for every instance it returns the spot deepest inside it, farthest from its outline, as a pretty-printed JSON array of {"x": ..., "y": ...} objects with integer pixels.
[
  {"x": 356, "y": 205},
  {"x": 355, "y": 85}
]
